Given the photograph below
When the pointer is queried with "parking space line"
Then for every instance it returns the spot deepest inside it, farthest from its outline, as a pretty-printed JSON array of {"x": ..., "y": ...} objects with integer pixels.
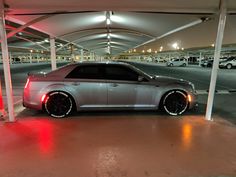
[{"x": 221, "y": 92}]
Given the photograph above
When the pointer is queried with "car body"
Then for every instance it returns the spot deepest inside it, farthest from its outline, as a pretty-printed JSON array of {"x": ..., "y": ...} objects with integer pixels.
[
  {"x": 177, "y": 62},
  {"x": 207, "y": 62},
  {"x": 229, "y": 63},
  {"x": 106, "y": 86}
]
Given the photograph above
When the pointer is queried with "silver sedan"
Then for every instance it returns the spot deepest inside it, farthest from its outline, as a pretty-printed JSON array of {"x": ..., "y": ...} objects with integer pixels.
[{"x": 106, "y": 86}]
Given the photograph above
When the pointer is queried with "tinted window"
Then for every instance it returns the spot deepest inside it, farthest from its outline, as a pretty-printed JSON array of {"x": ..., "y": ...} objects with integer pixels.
[
  {"x": 120, "y": 73},
  {"x": 86, "y": 72}
]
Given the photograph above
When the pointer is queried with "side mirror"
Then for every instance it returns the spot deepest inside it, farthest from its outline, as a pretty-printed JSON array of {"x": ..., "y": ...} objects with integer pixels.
[{"x": 140, "y": 78}]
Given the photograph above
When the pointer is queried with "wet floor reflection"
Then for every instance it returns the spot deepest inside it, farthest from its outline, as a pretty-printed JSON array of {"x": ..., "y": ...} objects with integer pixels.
[
  {"x": 187, "y": 135},
  {"x": 45, "y": 138}
]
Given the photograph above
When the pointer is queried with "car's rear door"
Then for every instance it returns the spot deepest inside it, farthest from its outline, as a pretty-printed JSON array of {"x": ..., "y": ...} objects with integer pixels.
[{"x": 87, "y": 84}]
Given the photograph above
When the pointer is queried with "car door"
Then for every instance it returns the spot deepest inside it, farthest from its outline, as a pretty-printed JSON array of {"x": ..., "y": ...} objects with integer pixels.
[
  {"x": 234, "y": 62},
  {"x": 89, "y": 87},
  {"x": 124, "y": 89}
]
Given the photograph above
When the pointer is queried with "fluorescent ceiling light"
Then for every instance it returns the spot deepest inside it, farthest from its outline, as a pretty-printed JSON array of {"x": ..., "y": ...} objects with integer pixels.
[{"x": 108, "y": 21}]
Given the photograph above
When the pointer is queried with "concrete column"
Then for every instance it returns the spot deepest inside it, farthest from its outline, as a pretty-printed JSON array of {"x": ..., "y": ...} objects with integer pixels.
[
  {"x": 82, "y": 55},
  {"x": 218, "y": 46},
  {"x": 30, "y": 57},
  {"x": 37, "y": 58},
  {"x": 200, "y": 58},
  {"x": 10, "y": 58},
  {"x": 6, "y": 67},
  {"x": 53, "y": 54}
]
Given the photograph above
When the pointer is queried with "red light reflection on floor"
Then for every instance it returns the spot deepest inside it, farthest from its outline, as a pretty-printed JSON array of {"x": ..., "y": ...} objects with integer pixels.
[{"x": 45, "y": 137}]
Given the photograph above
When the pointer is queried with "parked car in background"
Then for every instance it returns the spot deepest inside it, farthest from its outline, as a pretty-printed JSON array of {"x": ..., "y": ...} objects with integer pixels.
[
  {"x": 106, "y": 86},
  {"x": 207, "y": 62},
  {"x": 16, "y": 60},
  {"x": 177, "y": 62},
  {"x": 228, "y": 63}
]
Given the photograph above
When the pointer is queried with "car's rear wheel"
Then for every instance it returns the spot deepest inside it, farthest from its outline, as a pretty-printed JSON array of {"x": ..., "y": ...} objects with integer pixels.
[
  {"x": 175, "y": 102},
  {"x": 229, "y": 66},
  {"x": 184, "y": 64},
  {"x": 58, "y": 104}
]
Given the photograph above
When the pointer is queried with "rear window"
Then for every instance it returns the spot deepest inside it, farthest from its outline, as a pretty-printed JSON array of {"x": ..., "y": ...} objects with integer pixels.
[{"x": 86, "y": 72}]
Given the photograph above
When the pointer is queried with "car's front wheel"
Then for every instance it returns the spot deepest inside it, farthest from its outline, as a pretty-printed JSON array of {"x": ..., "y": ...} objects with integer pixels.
[
  {"x": 175, "y": 102},
  {"x": 58, "y": 104},
  {"x": 229, "y": 66}
]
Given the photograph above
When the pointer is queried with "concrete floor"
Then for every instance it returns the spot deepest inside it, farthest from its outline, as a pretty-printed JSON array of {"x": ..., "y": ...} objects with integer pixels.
[{"x": 136, "y": 144}]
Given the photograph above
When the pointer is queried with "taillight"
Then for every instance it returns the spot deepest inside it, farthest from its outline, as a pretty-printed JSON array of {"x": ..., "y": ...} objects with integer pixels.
[{"x": 27, "y": 83}]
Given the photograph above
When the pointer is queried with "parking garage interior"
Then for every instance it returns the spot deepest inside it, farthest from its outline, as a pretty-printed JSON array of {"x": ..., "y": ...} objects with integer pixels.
[{"x": 185, "y": 39}]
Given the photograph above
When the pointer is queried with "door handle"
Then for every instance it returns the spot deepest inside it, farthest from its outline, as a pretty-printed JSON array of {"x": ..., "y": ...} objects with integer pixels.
[
  {"x": 75, "y": 83},
  {"x": 114, "y": 84}
]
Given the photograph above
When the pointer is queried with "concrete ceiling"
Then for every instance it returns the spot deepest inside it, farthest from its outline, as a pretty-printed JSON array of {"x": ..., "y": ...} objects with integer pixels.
[{"x": 133, "y": 22}]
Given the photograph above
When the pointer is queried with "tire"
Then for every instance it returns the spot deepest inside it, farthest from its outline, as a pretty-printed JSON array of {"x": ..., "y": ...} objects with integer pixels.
[
  {"x": 209, "y": 65},
  {"x": 184, "y": 64},
  {"x": 171, "y": 64},
  {"x": 175, "y": 103},
  {"x": 58, "y": 104},
  {"x": 229, "y": 66}
]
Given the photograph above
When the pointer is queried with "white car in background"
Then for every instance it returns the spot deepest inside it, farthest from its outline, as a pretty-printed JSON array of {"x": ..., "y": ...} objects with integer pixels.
[
  {"x": 177, "y": 62},
  {"x": 228, "y": 63}
]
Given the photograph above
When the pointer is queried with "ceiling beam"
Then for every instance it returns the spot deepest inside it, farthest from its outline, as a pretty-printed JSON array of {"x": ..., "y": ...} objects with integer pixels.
[
  {"x": 111, "y": 30},
  {"x": 21, "y": 28}
]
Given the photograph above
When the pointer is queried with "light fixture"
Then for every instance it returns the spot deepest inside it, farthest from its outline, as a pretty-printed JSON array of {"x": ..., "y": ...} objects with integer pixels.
[
  {"x": 155, "y": 51},
  {"x": 143, "y": 51},
  {"x": 20, "y": 33},
  {"x": 108, "y": 18},
  {"x": 161, "y": 48},
  {"x": 182, "y": 48},
  {"x": 46, "y": 40},
  {"x": 31, "y": 51},
  {"x": 212, "y": 45},
  {"x": 175, "y": 45},
  {"x": 134, "y": 50},
  {"x": 108, "y": 36},
  {"x": 108, "y": 21}
]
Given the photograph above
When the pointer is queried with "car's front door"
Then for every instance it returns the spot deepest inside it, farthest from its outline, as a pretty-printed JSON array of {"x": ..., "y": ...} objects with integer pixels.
[{"x": 124, "y": 89}]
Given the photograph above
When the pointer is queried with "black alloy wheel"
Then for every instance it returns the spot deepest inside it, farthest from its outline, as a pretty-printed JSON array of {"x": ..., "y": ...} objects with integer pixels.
[
  {"x": 58, "y": 104},
  {"x": 175, "y": 103}
]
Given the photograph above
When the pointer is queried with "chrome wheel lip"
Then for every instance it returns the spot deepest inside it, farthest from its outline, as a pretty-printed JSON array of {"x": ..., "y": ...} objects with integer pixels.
[
  {"x": 54, "y": 115},
  {"x": 173, "y": 113}
]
